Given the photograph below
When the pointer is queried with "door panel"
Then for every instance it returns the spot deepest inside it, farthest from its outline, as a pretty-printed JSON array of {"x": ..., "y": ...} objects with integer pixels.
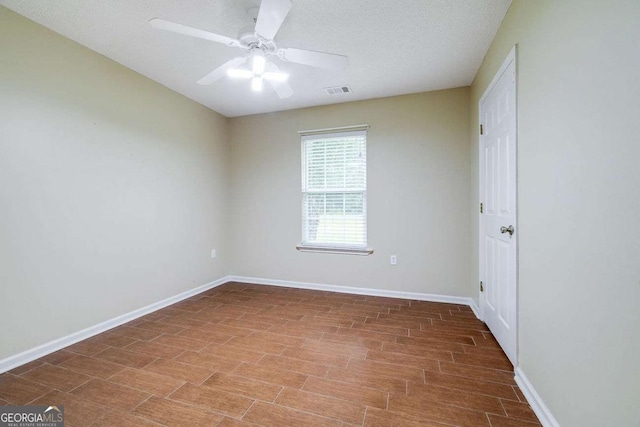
[
  {"x": 502, "y": 283},
  {"x": 490, "y": 276},
  {"x": 490, "y": 154},
  {"x": 498, "y": 249}
]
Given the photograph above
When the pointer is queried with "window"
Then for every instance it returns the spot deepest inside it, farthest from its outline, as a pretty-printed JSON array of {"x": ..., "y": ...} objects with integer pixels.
[{"x": 334, "y": 191}]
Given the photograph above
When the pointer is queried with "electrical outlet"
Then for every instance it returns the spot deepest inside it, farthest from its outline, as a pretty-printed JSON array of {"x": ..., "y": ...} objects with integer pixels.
[
  {"x": 393, "y": 260},
  {"x": 213, "y": 254}
]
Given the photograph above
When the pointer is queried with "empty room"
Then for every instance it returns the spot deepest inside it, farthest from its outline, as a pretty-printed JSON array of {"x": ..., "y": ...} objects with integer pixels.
[{"x": 319, "y": 213}]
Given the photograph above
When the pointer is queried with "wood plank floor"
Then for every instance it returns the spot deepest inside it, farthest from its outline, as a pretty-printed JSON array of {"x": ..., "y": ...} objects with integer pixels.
[{"x": 256, "y": 355}]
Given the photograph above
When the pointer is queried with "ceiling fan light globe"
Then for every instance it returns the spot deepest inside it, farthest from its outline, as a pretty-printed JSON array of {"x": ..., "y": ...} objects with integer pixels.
[
  {"x": 259, "y": 62},
  {"x": 256, "y": 84}
]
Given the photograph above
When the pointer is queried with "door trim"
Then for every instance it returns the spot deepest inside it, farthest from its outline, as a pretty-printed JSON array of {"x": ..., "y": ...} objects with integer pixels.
[{"x": 510, "y": 58}]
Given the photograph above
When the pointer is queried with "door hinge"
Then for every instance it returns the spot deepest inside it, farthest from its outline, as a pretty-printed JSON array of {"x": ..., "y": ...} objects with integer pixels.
[
  {"x": 481, "y": 287},
  {"x": 481, "y": 130},
  {"x": 481, "y": 208}
]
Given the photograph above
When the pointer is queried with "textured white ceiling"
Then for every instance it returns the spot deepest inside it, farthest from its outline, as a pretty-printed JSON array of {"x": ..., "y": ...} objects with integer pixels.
[{"x": 394, "y": 46}]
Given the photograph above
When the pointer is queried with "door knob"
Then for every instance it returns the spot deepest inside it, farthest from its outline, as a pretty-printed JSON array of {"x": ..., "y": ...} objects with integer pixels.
[{"x": 508, "y": 229}]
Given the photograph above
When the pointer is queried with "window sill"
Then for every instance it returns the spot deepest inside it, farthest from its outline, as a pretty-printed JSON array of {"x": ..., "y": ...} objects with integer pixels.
[{"x": 334, "y": 250}]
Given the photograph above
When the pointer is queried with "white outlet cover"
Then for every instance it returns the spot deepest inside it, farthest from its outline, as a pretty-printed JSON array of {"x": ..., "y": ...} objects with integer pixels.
[
  {"x": 213, "y": 254},
  {"x": 393, "y": 260}
]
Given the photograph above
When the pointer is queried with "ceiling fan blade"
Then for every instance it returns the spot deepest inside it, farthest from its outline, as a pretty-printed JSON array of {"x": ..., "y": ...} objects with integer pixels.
[
  {"x": 194, "y": 32},
  {"x": 329, "y": 61},
  {"x": 221, "y": 71},
  {"x": 236, "y": 73},
  {"x": 271, "y": 16},
  {"x": 277, "y": 77},
  {"x": 281, "y": 87}
]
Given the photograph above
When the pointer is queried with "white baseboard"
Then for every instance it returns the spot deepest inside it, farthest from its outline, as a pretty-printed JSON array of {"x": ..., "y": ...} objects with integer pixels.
[
  {"x": 60, "y": 343},
  {"x": 474, "y": 307},
  {"x": 360, "y": 291},
  {"x": 541, "y": 410}
]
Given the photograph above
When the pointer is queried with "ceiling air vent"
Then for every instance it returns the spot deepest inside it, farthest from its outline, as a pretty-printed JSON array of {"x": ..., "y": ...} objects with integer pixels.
[{"x": 337, "y": 90}]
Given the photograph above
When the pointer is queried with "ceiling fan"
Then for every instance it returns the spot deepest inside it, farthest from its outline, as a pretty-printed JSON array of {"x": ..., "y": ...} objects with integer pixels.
[{"x": 260, "y": 47}]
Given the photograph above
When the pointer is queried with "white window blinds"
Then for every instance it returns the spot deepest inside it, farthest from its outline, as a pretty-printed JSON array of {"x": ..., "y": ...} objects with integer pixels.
[{"x": 334, "y": 189}]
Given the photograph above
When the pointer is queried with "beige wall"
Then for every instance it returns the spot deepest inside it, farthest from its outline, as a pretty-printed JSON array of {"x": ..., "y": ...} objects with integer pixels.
[
  {"x": 418, "y": 195},
  {"x": 579, "y": 202},
  {"x": 112, "y": 188}
]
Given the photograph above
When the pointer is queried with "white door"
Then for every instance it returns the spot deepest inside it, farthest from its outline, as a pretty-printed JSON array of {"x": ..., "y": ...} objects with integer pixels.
[{"x": 498, "y": 228}]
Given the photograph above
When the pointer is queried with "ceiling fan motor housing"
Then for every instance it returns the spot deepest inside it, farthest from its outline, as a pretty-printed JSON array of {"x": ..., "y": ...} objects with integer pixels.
[{"x": 248, "y": 38}]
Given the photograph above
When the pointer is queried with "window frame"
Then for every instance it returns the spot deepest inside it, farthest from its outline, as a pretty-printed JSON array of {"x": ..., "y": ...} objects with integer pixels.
[{"x": 349, "y": 249}]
